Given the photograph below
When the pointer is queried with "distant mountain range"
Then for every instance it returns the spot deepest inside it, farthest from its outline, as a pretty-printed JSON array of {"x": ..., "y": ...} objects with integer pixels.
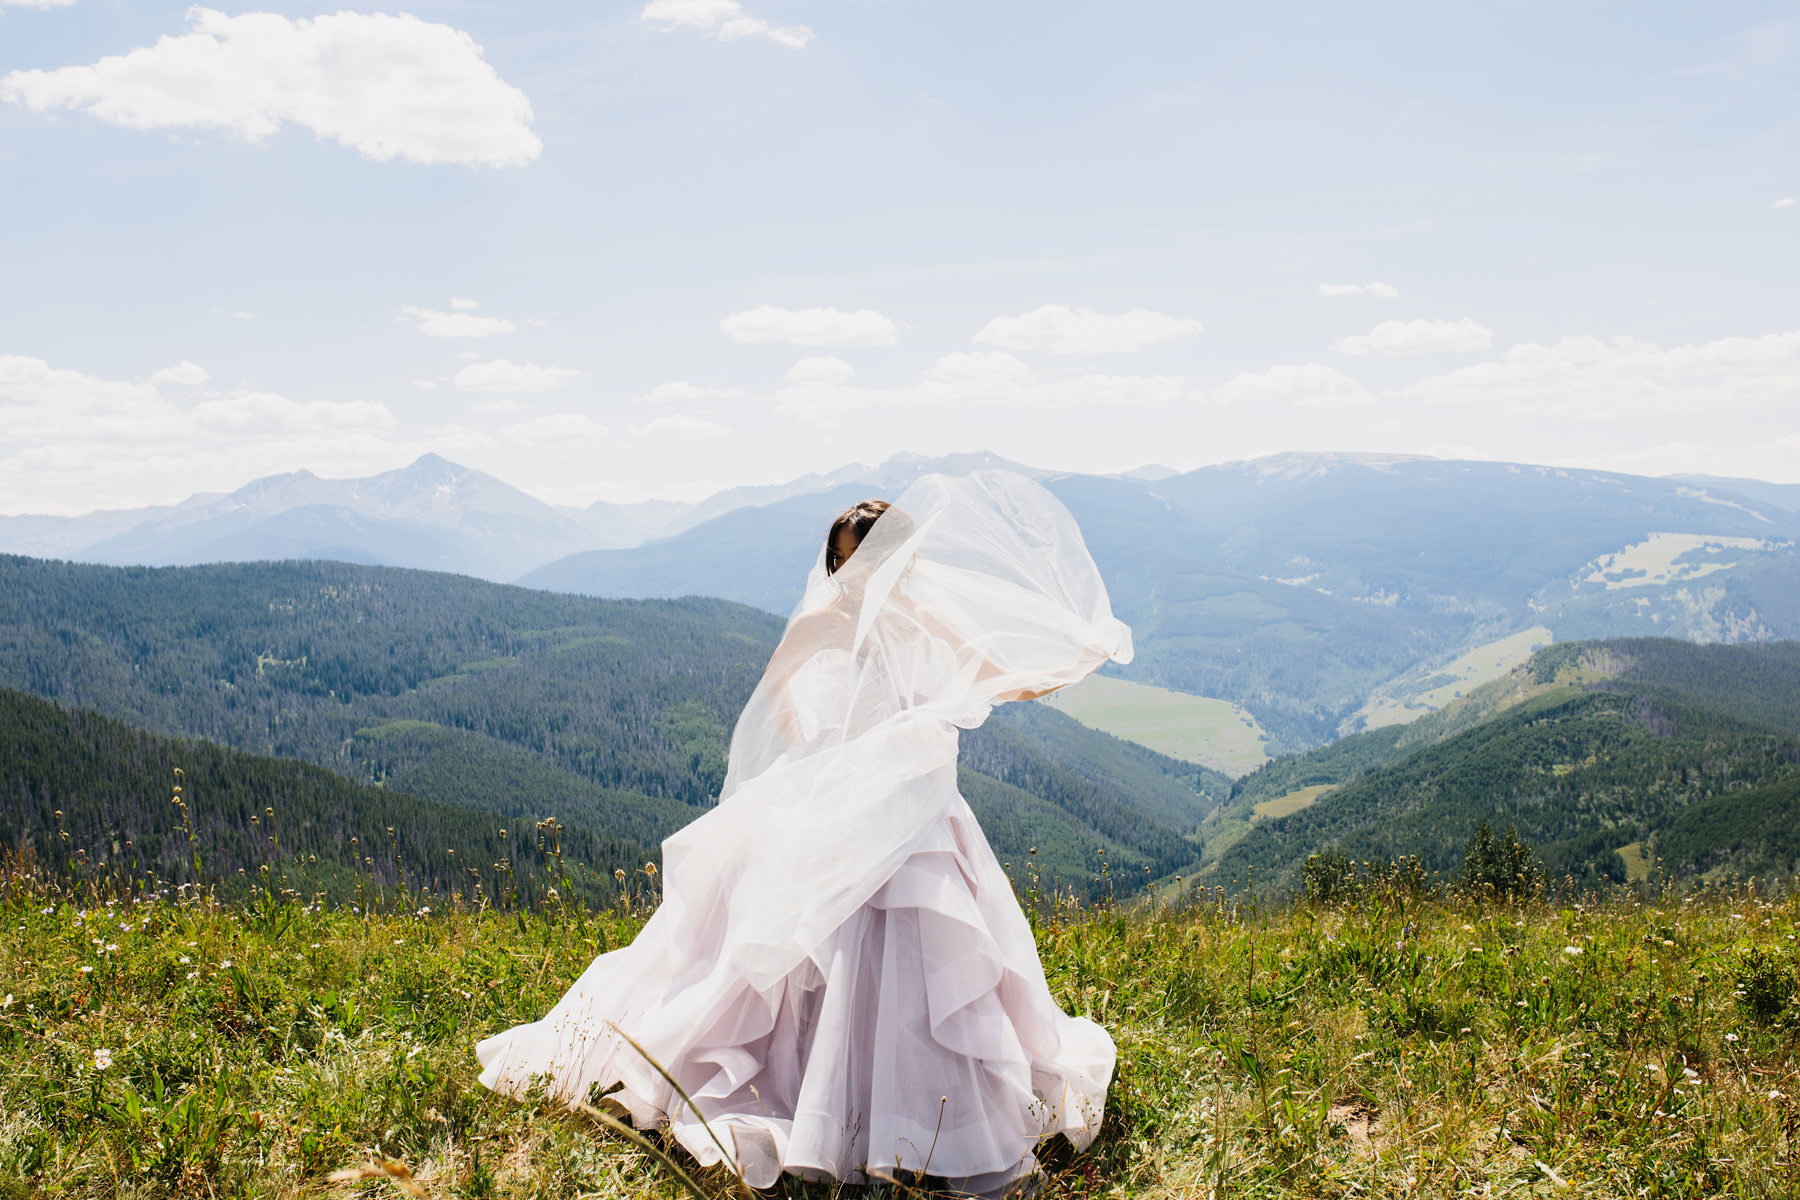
[
  {"x": 1322, "y": 592},
  {"x": 433, "y": 514}
]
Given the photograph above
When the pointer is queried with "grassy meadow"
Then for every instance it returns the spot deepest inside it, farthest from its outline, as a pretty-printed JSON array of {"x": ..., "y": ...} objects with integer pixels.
[
  {"x": 1213, "y": 733},
  {"x": 1397, "y": 1046}
]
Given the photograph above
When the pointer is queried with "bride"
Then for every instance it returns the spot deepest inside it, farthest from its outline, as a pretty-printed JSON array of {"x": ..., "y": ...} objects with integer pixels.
[{"x": 840, "y": 975}]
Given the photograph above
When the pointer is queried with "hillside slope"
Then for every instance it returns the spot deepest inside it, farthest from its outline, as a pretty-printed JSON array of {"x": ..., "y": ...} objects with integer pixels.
[
  {"x": 611, "y": 715},
  {"x": 1683, "y": 751},
  {"x": 107, "y": 786}
]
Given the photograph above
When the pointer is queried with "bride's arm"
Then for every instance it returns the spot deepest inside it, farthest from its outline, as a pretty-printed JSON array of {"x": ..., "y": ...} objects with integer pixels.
[
  {"x": 987, "y": 668},
  {"x": 808, "y": 635}
]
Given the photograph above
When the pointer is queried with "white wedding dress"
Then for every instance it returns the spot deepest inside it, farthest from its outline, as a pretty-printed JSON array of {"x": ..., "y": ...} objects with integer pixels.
[{"x": 840, "y": 975}]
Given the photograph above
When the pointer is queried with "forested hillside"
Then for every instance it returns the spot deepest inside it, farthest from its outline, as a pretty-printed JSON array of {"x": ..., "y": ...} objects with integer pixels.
[
  {"x": 1688, "y": 755},
  {"x": 610, "y": 715},
  {"x": 109, "y": 788}
]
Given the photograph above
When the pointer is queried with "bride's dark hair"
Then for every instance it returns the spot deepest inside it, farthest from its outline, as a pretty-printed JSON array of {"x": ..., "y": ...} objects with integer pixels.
[{"x": 859, "y": 518}]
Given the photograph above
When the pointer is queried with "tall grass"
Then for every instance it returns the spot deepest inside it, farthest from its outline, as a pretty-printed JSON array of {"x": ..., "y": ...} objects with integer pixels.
[{"x": 1398, "y": 1042}]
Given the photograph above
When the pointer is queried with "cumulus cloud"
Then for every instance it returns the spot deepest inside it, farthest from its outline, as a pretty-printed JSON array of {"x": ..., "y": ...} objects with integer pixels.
[
  {"x": 503, "y": 375},
  {"x": 1309, "y": 386},
  {"x": 810, "y": 327},
  {"x": 75, "y": 442},
  {"x": 459, "y": 324},
  {"x": 386, "y": 86},
  {"x": 725, "y": 20},
  {"x": 1786, "y": 202},
  {"x": 823, "y": 397},
  {"x": 1595, "y": 378},
  {"x": 1064, "y": 330},
  {"x": 1404, "y": 339},
  {"x": 1384, "y": 291},
  {"x": 679, "y": 391},
  {"x": 825, "y": 368},
  {"x": 462, "y": 303},
  {"x": 567, "y": 430},
  {"x": 676, "y": 426},
  {"x": 182, "y": 374}
]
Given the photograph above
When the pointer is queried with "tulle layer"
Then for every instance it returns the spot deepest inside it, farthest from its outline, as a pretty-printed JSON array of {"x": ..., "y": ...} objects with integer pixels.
[{"x": 917, "y": 1035}]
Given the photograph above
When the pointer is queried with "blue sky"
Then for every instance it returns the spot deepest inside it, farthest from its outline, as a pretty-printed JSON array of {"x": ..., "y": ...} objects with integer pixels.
[{"x": 706, "y": 243}]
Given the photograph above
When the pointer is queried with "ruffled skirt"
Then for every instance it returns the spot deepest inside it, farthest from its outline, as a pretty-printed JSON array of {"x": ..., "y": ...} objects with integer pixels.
[{"x": 917, "y": 1036}]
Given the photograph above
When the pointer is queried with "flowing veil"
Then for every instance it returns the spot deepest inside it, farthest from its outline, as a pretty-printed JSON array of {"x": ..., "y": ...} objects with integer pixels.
[{"x": 968, "y": 592}]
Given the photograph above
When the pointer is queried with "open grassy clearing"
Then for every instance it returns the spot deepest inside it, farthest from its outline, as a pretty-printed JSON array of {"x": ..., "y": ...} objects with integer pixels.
[
  {"x": 1411, "y": 698},
  {"x": 1396, "y": 1047},
  {"x": 1655, "y": 561},
  {"x": 1637, "y": 862},
  {"x": 1214, "y": 733},
  {"x": 1293, "y": 802}
]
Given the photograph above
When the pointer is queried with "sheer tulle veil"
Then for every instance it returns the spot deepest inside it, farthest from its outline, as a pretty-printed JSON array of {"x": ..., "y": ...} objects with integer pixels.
[{"x": 841, "y": 787}]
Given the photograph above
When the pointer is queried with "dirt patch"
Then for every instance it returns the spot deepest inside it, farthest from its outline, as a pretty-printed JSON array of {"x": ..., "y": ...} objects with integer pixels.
[{"x": 1361, "y": 1122}]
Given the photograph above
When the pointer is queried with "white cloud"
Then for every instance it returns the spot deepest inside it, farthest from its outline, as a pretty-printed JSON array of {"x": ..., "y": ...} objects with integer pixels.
[
  {"x": 499, "y": 404},
  {"x": 810, "y": 327},
  {"x": 1404, "y": 339},
  {"x": 565, "y": 430},
  {"x": 43, "y": 4},
  {"x": 1309, "y": 386},
  {"x": 464, "y": 324},
  {"x": 681, "y": 392},
  {"x": 75, "y": 441},
  {"x": 503, "y": 375},
  {"x": 1384, "y": 291},
  {"x": 462, "y": 303},
  {"x": 1786, "y": 202},
  {"x": 1064, "y": 330},
  {"x": 1592, "y": 378},
  {"x": 1001, "y": 379},
  {"x": 825, "y": 368},
  {"x": 426, "y": 384},
  {"x": 183, "y": 374},
  {"x": 268, "y": 411},
  {"x": 386, "y": 86},
  {"x": 677, "y": 426},
  {"x": 725, "y": 20},
  {"x": 977, "y": 378}
]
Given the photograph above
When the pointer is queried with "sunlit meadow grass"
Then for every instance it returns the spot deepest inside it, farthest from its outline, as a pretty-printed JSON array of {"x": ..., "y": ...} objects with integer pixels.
[{"x": 178, "y": 1045}]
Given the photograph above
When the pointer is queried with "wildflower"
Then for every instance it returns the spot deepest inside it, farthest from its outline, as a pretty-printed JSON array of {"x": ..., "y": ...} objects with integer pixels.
[
  {"x": 1731, "y": 1037},
  {"x": 226, "y": 965},
  {"x": 1668, "y": 943},
  {"x": 1468, "y": 929},
  {"x": 1571, "y": 950},
  {"x": 7, "y": 1003},
  {"x": 87, "y": 970},
  {"x": 102, "y": 1059},
  {"x": 399, "y": 941},
  {"x": 315, "y": 945},
  {"x": 193, "y": 975},
  {"x": 111, "y": 946},
  {"x": 48, "y": 911},
  {"x": 185, "y": 960},
  {"x": 650, "y": 870}
]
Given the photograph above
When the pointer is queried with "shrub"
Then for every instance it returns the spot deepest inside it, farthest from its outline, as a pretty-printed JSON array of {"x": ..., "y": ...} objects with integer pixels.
[
  {"x": 1501, "y": 867},
  {"x": 1765, "y": 983}
]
